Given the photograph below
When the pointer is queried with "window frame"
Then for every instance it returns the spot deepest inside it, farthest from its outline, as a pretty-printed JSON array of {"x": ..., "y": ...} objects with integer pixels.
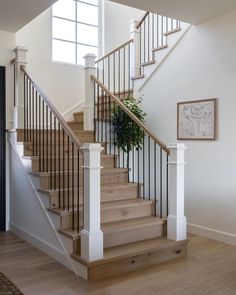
[{"x": 99, "y": 27}]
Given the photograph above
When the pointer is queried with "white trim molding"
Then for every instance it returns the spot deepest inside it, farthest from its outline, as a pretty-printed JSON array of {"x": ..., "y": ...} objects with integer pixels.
[{"x": 211, "y": 233}]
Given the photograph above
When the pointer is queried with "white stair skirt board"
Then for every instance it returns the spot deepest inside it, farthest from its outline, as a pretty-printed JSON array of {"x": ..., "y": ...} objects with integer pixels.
[
  {"x": 211, "y": 233},
  {"x": 49, "y": 241}
]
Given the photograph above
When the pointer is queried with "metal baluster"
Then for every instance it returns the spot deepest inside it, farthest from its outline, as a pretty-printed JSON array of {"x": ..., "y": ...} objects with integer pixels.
[
  {"x": 73, "y": 183},
  {"x": 68, "y": 174},
  {"x": 143, "y": 165},
  {"x": 149, "y": 169},
  {"x": 43, "y": 136},
  {"x": 36, "y": 123},
  {"x": 160, "y": 182},
  {"x": 59, "y": 163},
  {"x": 46, "y": 138},
  {"x": 55, "y": 154},
  {"x": 51, "y": 154},
  {"x": 155, "y": 178},
  {"x": 63, "y": 167},
  {"x": 167, "y": 185},
  {"x": 78, "y": 188},
  {"x": 40, "y": 133},
  {"x": 33, "y": 112}
]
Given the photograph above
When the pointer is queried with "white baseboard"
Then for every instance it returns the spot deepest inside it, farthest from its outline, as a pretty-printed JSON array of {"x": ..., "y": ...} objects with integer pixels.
[
  {"x": 212, "y": 234},
  {"x": 42, "y": 245}
]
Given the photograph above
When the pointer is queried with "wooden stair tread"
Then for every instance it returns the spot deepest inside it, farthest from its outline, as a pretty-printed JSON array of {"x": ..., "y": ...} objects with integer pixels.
[
  {"x": 137, "y": 77},
  {"x": 159, "y": 47},
  {"x": 131, "y": 250},
  {"x": 172, "y": 32},
  {"x": 151, "y": 62}
]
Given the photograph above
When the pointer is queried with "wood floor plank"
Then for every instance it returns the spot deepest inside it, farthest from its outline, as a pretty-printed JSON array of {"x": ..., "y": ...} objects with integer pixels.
[{"x": 209, "y": 269}]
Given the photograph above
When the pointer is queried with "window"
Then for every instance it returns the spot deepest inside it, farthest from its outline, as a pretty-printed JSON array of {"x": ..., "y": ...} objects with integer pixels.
[{"x": 74, "y": 30}]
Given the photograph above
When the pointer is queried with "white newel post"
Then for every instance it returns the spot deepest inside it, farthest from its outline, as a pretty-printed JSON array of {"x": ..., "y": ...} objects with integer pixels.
[
  {"x": 90, "y": 69},
  {"x": 20, "y": 60},
  {"x": 176, "y": 221},
  {"x": 91, "y": 235},
  {"x": 134, "y": 48}
]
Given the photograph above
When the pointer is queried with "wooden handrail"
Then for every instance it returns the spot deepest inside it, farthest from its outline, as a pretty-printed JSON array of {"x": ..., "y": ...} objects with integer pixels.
[
  {"x": 142, "y": 20},
  {"x": 131, "y": 115},
  {"x": 114, "y": 50},
  {"x": 63, "y": 123}
]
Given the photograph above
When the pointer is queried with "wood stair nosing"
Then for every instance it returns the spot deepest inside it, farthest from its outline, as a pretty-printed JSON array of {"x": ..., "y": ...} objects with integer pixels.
[
  {"x": 160, "y": 48},
  {"x": 137, "y": 77},
  {"x": 172, "y": 31}
]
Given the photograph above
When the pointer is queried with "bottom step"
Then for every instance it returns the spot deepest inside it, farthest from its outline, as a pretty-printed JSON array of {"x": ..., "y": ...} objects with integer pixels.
[{"x": 122, "y": 259}]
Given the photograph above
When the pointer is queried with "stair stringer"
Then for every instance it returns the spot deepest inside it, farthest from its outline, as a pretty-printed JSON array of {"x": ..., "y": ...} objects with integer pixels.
[
  {"x": 35, "y": 223},
  {"x": 159, "y": 57}
]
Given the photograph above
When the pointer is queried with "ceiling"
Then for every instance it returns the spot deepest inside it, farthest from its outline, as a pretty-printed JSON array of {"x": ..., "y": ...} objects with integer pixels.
[
  {"x": 191, "y": 11},
  {"x": 14, "y": 14}
]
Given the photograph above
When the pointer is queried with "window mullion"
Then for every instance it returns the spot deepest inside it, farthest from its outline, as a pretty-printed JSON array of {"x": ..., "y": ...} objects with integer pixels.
[{"x": 76, "y": 37}]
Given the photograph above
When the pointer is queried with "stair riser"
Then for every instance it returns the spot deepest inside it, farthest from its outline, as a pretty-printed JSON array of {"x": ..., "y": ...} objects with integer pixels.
[
  {"x": 112, "y": 215},
  {"x": 105, "y": 179},
  {"x": 79, "y": 117},
  {"x": 125, "y": 213},
  {"x": 107, "y": 162},
  {"x": 125, "y": 193},
  {"x": 85, "y": 137},
  {"x": 133, "y": 235},
  {"x": 126, "y": 265},
  {"x": 77, "y": 126}
]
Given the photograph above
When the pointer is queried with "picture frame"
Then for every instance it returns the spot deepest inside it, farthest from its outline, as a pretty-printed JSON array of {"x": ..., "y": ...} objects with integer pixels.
[{"x": 196, "y": 119}]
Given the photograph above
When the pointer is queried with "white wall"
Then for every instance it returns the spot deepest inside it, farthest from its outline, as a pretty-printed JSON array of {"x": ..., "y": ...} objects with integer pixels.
[
  {"x": 63, "y": 83},
  {"x": 116, "y": 22},
  {"x": 6, "y": 54},
  {"x": 202, "y": 66}
]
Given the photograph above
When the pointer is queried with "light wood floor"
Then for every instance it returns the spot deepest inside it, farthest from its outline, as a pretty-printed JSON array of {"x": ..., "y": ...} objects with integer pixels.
[{"x": 210, "y": 268}]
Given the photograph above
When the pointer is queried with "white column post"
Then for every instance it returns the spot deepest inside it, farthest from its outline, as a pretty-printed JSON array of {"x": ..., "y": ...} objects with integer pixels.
[
  {"x": 176, "y": 221},
  {"x": 91, "y": 235},
  {"x": 134, "y": 48},
  {"x": 20, "y": 60},
  {"x": 90, "y": 69}
]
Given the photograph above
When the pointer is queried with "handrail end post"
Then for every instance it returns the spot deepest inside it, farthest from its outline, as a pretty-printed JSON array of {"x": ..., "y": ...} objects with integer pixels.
[
  {"x": 176, "y": 220},
  {"x": 92, "y": 247},
  {"x": 90, "y": 69},
  {"x": 20, "y": 61},
  {"x": 135, "y": 63}
]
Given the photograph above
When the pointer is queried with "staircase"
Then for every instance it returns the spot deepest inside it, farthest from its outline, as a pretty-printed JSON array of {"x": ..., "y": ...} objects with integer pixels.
[{"x": 134, "y": 202}]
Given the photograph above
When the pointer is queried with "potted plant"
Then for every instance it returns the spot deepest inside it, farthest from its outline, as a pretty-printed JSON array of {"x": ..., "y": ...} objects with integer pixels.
[{"x": 127, "y": 134}]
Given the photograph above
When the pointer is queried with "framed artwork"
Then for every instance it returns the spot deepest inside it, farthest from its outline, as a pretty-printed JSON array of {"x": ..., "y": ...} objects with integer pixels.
[{"x": 196, "y": 120}]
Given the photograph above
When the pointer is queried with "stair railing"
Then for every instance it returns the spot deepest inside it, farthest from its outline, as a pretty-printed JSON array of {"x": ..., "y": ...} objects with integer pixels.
[
  {"x": 153, "y": 30},
  {"x": 113, "y": 70},
  {"x": 58, "y": 149},
  {"x": 147, "y": 166}
]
